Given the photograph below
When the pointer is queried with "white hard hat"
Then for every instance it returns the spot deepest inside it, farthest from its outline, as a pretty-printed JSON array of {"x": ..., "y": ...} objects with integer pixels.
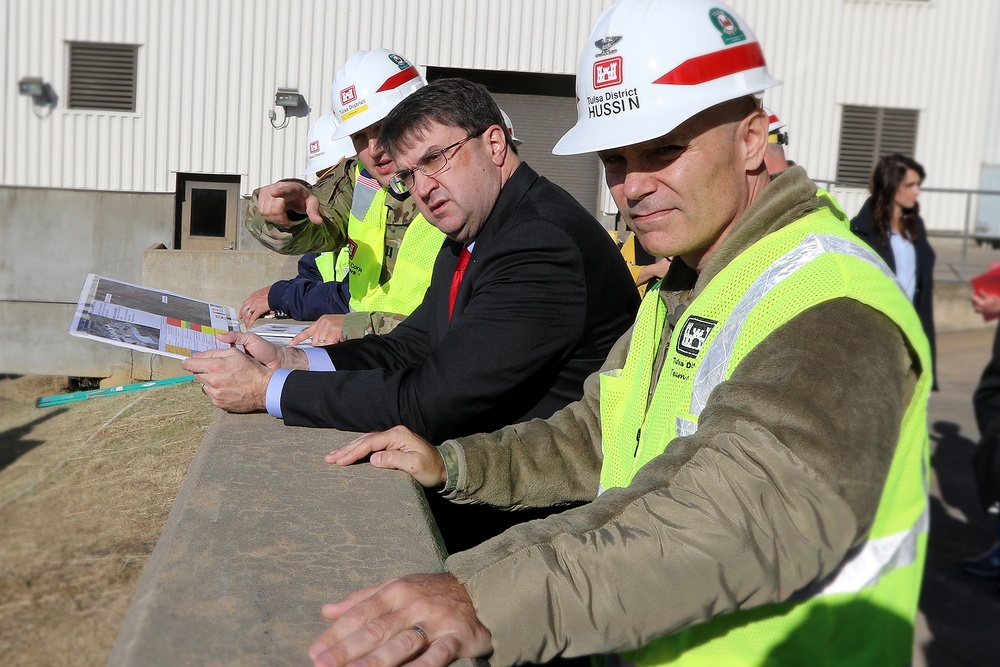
[
  {"x": 510, "y": 128},
  {"x": 649, "y": 65},
  {"x": 774, "y": 123},
  {"x": 368, "y": 86},
  {"x": 322, "y": 151}
]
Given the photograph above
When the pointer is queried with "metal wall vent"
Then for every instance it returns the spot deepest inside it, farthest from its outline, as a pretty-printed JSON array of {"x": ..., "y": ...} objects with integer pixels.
[
  {"x": 869, "y": 133},
  {"x": 102, "y": 76}
]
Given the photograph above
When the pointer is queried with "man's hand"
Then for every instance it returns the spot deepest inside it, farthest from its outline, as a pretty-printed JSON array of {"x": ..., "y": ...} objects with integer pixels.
[
  {"x": 237, "y": 381},
  {"x": 255, "y": 306},
  {"x": 233, "y": 380},
  {"x": 398, "y": 448},
  {"x": 985, "y": 303},
  {"x": 324, "y": 331},
  {"x": 275, "y": 200},
  {"x": 423, "y": 619}
]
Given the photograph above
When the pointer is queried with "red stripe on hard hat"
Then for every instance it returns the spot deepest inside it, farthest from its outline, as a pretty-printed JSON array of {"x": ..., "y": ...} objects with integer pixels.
[
  {"x": 715, "y": 65},
  {"x": 397, "y": 80}
]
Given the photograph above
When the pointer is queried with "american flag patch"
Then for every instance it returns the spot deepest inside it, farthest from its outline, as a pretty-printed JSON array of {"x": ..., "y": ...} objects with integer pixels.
[{"x": 365, "y": 179}]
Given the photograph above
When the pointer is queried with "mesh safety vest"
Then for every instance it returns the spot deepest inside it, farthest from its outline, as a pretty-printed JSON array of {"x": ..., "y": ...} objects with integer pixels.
[
  {"x": 863, "y": 613},
  {"x": 327, "y": 263},
  {"x": 411, "y": 273}
]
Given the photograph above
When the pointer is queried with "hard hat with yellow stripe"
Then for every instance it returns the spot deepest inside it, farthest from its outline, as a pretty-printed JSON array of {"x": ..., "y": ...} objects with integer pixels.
[{"x": 370, "y": 85}]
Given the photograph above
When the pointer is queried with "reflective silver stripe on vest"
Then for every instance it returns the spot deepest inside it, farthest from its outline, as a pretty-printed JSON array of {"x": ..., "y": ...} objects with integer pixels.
[
  {"x": 712, "y": 369},
  {"x": 867, "y": 563},
  {"x": 685, "y": 427},
  {"x": 864, "y": 565}
]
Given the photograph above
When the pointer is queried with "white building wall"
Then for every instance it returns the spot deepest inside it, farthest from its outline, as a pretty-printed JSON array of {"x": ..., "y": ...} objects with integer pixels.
[
  {"x": 936, "y": 56},
  {"x": 208, "y": 70}
]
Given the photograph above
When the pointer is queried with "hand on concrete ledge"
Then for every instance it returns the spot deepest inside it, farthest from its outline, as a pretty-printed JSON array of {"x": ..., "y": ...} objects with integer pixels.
[
  {"x": 398, "y": 448},
  {"x": 275, "y": 200},
  {"x": 324, "y": 331},
  {"x": 425, "y": 615}
]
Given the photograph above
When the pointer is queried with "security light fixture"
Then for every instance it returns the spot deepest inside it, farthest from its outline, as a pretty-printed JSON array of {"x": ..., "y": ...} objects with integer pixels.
[
  {"x": 287, "y": 97},
  {"x": 43, "y": 97},
  {"x": 31, "y": 85},
  {"x": 291, "y": 102}
]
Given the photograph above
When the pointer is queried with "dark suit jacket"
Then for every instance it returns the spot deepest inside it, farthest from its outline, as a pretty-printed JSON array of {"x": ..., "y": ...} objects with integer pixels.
[
  {"x": 923, "y": 297},
  {"x": 545, "y": 296},
  {"x": 986, "y": 401}
]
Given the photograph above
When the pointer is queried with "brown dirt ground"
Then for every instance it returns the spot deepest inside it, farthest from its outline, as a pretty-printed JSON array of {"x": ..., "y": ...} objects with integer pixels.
[{"x": 85, "y": 489}]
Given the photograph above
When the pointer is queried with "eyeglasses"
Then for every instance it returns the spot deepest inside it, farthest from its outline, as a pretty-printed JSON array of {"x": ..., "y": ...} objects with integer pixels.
[{"x": 430, "y": 165}]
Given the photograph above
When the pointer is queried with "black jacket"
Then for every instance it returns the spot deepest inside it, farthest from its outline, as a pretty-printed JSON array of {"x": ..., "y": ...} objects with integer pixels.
[
  {"x": 545, "y": 296},
  {"x": 923, "y": 297}
]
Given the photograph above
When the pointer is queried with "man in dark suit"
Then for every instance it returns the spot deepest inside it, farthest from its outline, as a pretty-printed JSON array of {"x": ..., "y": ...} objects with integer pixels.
[{"x": 543, "y": 297}]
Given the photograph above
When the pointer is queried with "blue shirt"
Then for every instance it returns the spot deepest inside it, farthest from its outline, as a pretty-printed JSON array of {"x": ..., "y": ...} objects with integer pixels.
[
  {"x": 318, "y": 361},
  {"x": 905, "y": 255}
]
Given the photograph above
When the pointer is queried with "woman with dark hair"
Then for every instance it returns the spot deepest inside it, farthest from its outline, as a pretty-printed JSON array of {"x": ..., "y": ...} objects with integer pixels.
[{"x": 890, "y": 223}]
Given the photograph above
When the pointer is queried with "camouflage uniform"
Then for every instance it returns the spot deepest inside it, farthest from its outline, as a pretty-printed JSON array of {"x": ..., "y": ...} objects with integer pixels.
[{"x": 335, "y": 194}]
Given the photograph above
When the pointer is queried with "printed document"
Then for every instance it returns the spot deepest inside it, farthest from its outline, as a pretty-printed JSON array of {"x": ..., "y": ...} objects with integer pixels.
[{"x": 149, "y": 320}]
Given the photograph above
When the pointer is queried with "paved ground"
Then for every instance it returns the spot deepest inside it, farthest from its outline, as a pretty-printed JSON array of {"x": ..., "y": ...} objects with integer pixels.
[
  {"x": 956, "y": 263},
  {"x": 960, "y": 620}
]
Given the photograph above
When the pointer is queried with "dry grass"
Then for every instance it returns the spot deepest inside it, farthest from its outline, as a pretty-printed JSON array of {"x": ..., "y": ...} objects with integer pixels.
[{"x": 84, "y": 492}]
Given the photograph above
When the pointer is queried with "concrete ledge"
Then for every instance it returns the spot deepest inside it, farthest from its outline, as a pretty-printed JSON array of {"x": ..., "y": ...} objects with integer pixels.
[
  {"x": 263, "y": 532},
  {"x": 221, "y": 276},
  {"x": 953, "y": 309}
]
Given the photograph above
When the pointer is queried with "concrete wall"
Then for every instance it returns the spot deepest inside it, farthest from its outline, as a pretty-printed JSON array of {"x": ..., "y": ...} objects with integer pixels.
[
  {"x": 54, "y": 238},
  {"x": 220, "y": 276}
]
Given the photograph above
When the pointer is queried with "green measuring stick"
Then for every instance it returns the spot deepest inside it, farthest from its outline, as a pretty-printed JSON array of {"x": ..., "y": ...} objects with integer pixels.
[{"x": 59, "y": 399}]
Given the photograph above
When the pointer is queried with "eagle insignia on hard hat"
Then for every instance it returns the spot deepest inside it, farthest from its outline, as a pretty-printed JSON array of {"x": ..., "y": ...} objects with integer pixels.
[
  {"x": 606, "y": 45},
  {"x": 727, "y": 25}
]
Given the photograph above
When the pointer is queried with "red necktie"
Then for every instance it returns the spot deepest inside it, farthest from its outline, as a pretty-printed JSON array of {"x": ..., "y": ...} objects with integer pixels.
[{"x": 456, "y": 280}]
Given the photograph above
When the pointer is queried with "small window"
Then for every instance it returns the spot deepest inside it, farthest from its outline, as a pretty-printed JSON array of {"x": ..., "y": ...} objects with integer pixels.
[
  {"x": 102, "y": 76},
  {"x": 867, "y": 134}
]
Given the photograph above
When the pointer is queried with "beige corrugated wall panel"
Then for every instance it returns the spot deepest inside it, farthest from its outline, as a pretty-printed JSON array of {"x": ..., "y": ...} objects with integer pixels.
[
  {"x": 208, "y": 70},
  {"x": 936, "y": 56}
]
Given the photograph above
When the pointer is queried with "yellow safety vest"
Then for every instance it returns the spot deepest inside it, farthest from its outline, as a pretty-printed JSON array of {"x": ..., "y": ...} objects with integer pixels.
[
  {"x": 863, "y": 614},
  {"x": 411, "y": 273},
  {"x": 327, "y": 263}
]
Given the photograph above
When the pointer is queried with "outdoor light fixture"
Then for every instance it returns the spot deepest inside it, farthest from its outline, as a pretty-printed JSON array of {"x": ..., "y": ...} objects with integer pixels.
[
  {"x": 31, "y": 85},
  {"x": 291, "y": 103},
  {"x": 41, "y": 94},
  {"x": 287, "y": 97}
]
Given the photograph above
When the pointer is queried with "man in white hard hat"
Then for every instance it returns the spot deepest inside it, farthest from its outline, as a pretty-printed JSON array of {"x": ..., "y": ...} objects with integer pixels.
[
  {"x": 490, "y": 345},
  {"x": 758, "y": 445},
  {"x": 317, "y": 289},
  {"x": 390, "y": 247}
]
